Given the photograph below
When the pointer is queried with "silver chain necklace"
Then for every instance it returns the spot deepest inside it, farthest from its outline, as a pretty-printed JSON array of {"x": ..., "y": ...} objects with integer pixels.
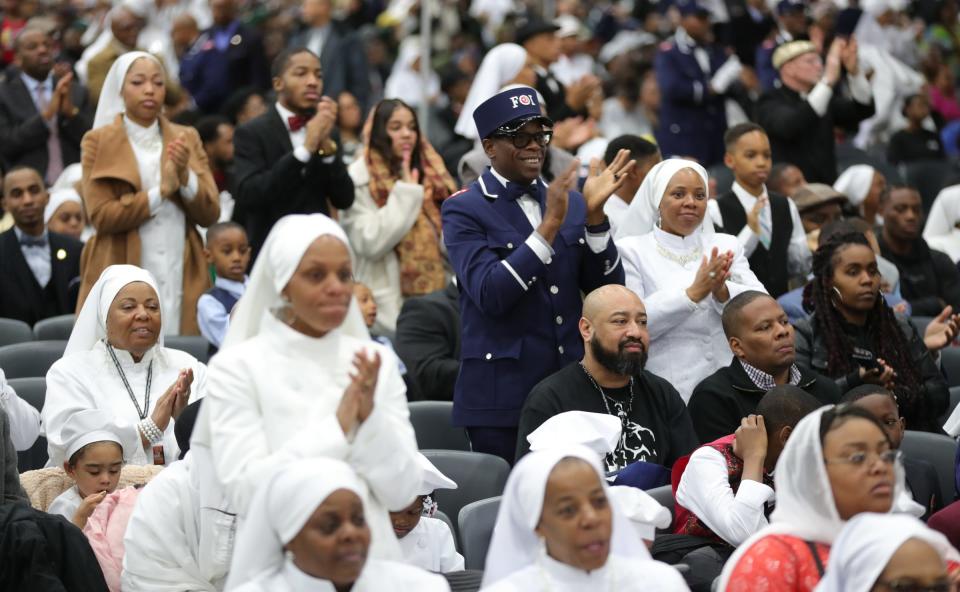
[{"x": 623, "y": 415}]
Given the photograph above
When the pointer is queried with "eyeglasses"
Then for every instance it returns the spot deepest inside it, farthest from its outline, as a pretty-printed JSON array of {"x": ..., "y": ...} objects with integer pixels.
[
  {"x": 859, "y": 459},
  {"x": 911, "y": 586},
  {"x": 522, "y": 139}
]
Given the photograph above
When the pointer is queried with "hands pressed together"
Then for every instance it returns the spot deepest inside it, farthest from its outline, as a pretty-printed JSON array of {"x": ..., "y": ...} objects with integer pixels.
[{"x": 712, "y": 277}]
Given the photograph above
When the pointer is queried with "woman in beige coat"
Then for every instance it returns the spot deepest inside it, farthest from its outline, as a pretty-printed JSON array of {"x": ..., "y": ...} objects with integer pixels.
[{"x": 146, "y": 186}]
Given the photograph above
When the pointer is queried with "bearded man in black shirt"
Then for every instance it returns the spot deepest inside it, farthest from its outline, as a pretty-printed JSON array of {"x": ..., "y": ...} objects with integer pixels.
[{"x": 611, "y": 379}]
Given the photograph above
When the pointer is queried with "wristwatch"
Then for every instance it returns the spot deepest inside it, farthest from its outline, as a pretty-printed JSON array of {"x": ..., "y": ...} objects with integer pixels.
[{"x": 323, "y": 152}]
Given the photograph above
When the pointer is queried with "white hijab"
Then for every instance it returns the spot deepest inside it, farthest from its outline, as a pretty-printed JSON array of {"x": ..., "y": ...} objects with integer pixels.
[
  {"x": 867, "y": 544},
  {"x": 805, "y": 506},
  {"x": 59, "y": 197},
  {"x": 644, "y": 211},
  {"x": 855, "y": 183},
  {"x": 407, "y": 84},
  {"x": 514, "y": 545},
  {"x": 91, "y": 325},
  {"x": 280, "y": 509},
  {"x": 111, "y": 97},
  {"x": 289, "y": 239},
  {"x": 499, "y": 66},
  {"x": 940, "y": 231}
]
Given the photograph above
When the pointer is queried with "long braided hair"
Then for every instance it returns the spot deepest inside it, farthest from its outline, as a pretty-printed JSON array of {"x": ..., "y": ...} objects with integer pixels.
[{"x": 886, "y": 339}]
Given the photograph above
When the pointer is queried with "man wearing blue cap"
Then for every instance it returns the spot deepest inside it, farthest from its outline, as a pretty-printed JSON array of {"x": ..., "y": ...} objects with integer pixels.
[
  {"x": 694, "y": 74},
  {"x": 522, "y": 253},
  {"x": 791, "y": 26}
]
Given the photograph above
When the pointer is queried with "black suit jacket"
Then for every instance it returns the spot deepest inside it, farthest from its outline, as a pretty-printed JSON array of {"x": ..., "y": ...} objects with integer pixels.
[
  {"x": 21, "y": 297},
  {"x": 428, "y": 342},
  {"x": 24, "y": 134},
  {"x": 344, "y": 63},
  {"x": 924, "y": 485},
  {"x": 270, "y": 182}
]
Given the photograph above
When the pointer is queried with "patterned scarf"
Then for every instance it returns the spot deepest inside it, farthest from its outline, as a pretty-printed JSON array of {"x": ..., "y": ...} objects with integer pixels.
[{"x": 422, "y": 265}]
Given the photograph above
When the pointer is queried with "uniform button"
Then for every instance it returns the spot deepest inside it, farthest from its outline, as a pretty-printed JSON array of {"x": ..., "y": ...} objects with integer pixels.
[
  {"x": 581, "y": 241},
  {"x": 509, "y": 245},
  {"x": 489, "y": 356},
  {"x": 533, "y": 279},
  {"x": 554, "y": 289},
  {"x": 560, "y": 349},
  {"x": 559, "y": 320},
  {"x": 549, "y": 260}
]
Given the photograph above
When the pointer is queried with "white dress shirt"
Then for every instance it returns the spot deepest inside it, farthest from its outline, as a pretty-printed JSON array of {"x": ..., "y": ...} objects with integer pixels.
[
  {"x": 37, "y": 257},
  {"x": 705, "y": 490},
  {"x": 34, "y": 86},
  {"x": 211, "y": 316},
  {"x": 615, "y": 209},
  {"x": 430, "y": 546},
  {"x": 297, "y": 138},
  {"x": 24, "y": 417},
  {"x": 162, "y": 235},
  {"x": 799, "y": 257},
  {"x": 317, "y": 38}
]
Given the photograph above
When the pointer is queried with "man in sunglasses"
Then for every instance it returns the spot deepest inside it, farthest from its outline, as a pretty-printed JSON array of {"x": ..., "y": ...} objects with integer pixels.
[{"x": 523, "y": 252}]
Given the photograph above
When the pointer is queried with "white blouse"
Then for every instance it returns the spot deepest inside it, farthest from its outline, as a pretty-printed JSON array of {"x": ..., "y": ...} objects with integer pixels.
[
  {"x": 430, "y": 546},
  {"x": 273, "y": 398},
  {"x": 377, "y": 576},
  {"x": 89, "y": 380},
  {"x": 66, "y": 503},
  {"x": 619, "y": 574},
  {"x": 687, "y": 343}
]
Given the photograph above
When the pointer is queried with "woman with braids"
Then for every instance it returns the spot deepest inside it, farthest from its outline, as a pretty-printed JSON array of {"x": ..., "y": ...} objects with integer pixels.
[
  {"x": 394, "y": 223},
  {"x": 855, "y": 338}
]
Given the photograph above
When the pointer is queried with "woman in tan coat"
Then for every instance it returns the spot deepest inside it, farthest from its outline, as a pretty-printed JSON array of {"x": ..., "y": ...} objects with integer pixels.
[{"x": 146, "y": 186}]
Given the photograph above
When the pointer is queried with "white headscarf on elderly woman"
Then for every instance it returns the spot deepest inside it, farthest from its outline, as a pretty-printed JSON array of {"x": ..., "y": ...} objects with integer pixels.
[
  {"x": 281, "y": 508},
  {"x": 644, "y": 211},
  {"x": 275, "y": 392},
  {"x": 868, "y": 542},
  {"x": 805, "y": 506},
  {"x": 940, "y": 230},
  {"x": 500, "y": 66},
  {"x": 518, "y": 560},
  {"x": 94, "y": 375}
]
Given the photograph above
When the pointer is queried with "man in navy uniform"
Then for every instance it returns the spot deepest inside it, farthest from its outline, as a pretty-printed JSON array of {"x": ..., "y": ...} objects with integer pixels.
[
  {"x": 522, "y": 252},
  {"x": 693, "y": 74},
  {"x": 791, "y": 26}
]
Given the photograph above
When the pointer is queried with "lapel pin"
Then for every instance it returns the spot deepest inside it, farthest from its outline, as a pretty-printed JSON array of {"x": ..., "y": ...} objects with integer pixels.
[
  {"x": 235, "y": 40},
  {"x": 61, "y": 254}
]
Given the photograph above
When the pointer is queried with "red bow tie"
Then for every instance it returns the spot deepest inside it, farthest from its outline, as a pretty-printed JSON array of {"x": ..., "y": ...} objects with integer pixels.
[{"x": 296, "y": 122}]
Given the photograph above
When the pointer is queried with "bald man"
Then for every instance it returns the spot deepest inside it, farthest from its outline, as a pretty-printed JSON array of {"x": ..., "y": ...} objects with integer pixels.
[{"x": 611, "y": 379}]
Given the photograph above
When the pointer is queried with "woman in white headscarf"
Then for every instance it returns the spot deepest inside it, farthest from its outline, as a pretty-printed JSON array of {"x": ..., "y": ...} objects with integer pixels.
[
  {"x": 499, "y": 67},
  {"x": 863, "y": 185},
  {"x": 941, "y": 231},
  {"x": 877, "y": 550},
  {"x": 684, "y": 272},
  {"x": 63, "y": 214},
  {"x": 406, "y": 81},
  {"x": 308, "y": 530},
  {"x": 837, "y": 463},
  {"x": 115, "y": 361},
  {"x": 297, "y": 377},
  {"x": 146, "y": 186},
  {"x": 558, "y": 530}
]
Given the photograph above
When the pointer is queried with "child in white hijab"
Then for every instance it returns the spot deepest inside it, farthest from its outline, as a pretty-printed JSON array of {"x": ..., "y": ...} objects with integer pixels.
[
  {"x": 557, "y": 530},
  {"x": 307, "y": 531},
  {"x": 426, "y": 542},
  {"x": 883, "y": 550}
]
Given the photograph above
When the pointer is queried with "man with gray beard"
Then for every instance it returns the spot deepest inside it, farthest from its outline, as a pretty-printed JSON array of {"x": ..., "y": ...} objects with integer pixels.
[{"x": 611, "y": 379}]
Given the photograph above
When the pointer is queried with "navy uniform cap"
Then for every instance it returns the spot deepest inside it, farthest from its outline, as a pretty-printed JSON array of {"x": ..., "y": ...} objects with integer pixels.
[
  {"x": 508, "y": 109},
  {"x": 788, "y": 6}
]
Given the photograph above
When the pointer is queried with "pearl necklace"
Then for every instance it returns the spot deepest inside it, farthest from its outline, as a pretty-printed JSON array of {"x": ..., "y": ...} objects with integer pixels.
[{"x": 682, "y": 260}]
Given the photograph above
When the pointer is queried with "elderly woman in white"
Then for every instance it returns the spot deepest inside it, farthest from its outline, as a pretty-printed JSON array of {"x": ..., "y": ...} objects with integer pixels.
[
  {"x": 298, "y": 378},
  {"x": 684, "y": 272},
  {"x": 307, "y": 531},
  {"x": 557, "y": 530},
  {"x": 115, "y": 360}
]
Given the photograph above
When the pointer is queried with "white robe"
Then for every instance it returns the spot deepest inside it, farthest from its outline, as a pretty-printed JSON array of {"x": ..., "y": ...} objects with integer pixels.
[
  {"x": 377, "y": 576},
  {"x": 66, "y": 503},
  {"x": 430, "y": 546},
  {"x": 89, "y": 380},
  {"x": 687, "y": 343},
  {"x": 273, "y": 398},
  {"x": 619, "y": 574},
  {"x": 178, "y": 538}
]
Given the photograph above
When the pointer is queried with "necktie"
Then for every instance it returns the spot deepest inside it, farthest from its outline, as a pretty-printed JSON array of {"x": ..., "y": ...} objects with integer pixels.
[
  {"x": 54, "y": 153},
  {"x": 766, "y": 228},
  {"x": 296, "y": 122},
  {"x": 33, "y": 241}
]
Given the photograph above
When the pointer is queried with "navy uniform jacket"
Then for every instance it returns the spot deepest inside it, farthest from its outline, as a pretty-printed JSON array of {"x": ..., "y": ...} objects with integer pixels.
[
  {"x": 766, "y": 73},
  {"x": 211, "y": 75},
  {"x": 692, "y": 121},
  {"x": 518, "y": 315}
]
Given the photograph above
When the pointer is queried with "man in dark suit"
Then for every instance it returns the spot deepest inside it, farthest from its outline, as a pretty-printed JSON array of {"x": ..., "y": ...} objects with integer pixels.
[
  {"x": 693, "y": 74},
  {"x": 522, "y": 254},
  {"x": 286, "y": 160},
  {"x": 42, "y": 117},
  {"x": 428, "y": 342},
  {"x": 342, "y": 56},
  {"x": 227, "y": 56},
  {"x": 39, "y": 270}
]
